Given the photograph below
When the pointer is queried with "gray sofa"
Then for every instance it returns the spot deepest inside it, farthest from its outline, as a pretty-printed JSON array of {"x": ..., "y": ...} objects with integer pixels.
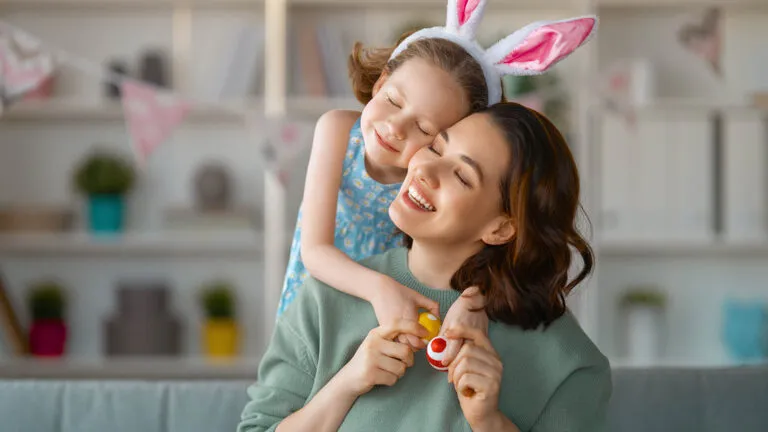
[{"x": 657, "y": 400}]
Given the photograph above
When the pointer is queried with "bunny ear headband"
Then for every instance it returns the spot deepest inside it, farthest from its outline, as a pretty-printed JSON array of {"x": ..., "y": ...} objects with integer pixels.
[{"x": 532, "y": 50}]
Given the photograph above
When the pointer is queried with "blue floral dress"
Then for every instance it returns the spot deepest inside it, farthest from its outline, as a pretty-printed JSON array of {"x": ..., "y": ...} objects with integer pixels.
[{"x": 363, "y": 227}]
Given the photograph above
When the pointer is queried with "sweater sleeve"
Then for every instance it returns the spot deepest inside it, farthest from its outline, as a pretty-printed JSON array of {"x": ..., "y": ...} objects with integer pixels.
[
  {"x": 288, "y": 367},
  {"x": 580, "y": 404}
]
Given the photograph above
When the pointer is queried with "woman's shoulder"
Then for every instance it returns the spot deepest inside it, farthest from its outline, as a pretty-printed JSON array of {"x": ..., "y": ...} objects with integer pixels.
[{"x": 563, "y": 344}]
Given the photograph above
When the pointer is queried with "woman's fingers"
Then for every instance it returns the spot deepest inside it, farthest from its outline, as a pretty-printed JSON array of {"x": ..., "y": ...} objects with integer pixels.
[
  {"x": 396, "y": 350},
  {"x": 476, "y": 336},
  {"x": 402, "y": 326},
  {"x": 452, "y": 349},
  {"x": 475, "y": 364},
  {"x": 471, "y": 384},
  {"x": 391, "y": 365}
]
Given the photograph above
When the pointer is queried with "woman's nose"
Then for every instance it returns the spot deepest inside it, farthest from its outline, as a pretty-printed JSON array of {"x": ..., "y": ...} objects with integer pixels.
[{"x": 428, "y": 176}]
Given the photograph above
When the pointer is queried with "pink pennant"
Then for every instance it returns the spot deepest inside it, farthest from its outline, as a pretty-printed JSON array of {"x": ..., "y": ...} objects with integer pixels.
[
  {"x": 22, "y": 71},
  {"x": 151, "y": 116}
]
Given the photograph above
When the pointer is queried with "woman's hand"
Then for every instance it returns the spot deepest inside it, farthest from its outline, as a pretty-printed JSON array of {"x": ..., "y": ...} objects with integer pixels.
[
  {"x": 380, "y": 360},
  {"x": 393, "y": 302},
  {"x": 464, "y": 313},
  {"x": 476, "y": 376}
]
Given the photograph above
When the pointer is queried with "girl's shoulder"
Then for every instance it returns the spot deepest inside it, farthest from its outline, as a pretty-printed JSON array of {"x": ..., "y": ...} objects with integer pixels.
[{"x": 339, "y": 119}]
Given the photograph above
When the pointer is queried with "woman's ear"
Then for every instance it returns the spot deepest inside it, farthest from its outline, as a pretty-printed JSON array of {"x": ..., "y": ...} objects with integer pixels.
[
  {"x": 503, "y": 232},
  {"x": 379, "y": 82}
]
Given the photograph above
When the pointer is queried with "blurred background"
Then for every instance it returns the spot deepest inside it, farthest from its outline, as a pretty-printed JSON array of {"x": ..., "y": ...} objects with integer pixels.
[{"x": 110, "y": 266}]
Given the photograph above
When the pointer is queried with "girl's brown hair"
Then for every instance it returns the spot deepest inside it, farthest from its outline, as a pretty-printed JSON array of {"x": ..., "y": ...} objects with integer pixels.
[
  {"x": 366, "y": 65},
  {"x": 525, "y": 281}
]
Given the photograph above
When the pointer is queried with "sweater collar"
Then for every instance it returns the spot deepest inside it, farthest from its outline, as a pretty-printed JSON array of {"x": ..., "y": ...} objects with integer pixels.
[{"x": 403, "y": 275}]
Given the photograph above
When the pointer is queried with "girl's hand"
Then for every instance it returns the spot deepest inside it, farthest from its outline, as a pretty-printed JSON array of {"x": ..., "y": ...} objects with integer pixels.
[
  {"x": 393, "y": 302},
  {"x": 463, "y": 313},
  {"x": 476, "y": 376},
  {"x": 380, "y": 360}
]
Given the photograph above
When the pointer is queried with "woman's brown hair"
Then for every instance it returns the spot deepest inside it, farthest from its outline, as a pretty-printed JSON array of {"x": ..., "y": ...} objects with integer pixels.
[
  {"x": 366, "y": 65},
  {"x": 525, "y": 281}
]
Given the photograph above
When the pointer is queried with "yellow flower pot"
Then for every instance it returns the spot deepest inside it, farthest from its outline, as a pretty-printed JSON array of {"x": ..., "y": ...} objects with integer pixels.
[{"x": 222, "y": 338}]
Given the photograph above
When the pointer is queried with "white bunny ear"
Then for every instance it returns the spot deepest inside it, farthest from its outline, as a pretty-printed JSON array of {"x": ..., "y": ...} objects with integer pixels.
[
  {"x": 464, "y": 16},
  {"x": 536, "y": 47}
]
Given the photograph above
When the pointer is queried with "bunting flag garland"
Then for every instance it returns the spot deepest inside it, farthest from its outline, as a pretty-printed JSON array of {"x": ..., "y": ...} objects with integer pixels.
[
  {"x": 151, "y": 113},
  {"x": 151, "y": 116},
  {"x": 24, "y": 66},
  {"x": 285, "y": 141}
]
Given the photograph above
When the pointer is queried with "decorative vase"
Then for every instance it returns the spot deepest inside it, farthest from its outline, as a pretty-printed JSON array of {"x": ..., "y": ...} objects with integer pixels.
[
  {"x": 106, "y": 213},
  {"x": 643, "y": 333},
  {"x": 221, "y": 337},
  {"x": 745, "y": 330},
  {"x": 142, "y": 324},
  {"x": 48, "y": 338}
]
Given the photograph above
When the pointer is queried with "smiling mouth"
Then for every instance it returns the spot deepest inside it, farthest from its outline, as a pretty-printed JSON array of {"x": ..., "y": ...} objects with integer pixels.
[
  {"x": 385, "y": 144},
  {"x": 419, "y": 200}
]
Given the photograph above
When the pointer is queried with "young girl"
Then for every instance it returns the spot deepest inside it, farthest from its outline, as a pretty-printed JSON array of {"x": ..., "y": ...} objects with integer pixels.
[{"x": 411, "y": 93}]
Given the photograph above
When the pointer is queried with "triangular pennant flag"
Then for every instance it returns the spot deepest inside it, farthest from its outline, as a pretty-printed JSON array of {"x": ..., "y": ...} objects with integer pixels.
[
  {"x": 24, "y": 66},
  {"x": 285, "y": 140},
  {"x": 151, "y": 116}
]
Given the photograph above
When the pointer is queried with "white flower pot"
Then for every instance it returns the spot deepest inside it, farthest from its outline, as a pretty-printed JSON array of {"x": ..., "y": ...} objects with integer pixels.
[{"x": 643, "y": 330}]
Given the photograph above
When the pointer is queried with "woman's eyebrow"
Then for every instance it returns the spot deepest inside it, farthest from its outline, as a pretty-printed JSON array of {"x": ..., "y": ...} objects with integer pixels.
[{"x": 473, "y": 163}]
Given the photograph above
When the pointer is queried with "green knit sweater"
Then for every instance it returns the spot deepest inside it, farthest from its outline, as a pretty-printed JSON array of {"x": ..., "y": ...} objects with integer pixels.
[{"x": 554, "y": 380}]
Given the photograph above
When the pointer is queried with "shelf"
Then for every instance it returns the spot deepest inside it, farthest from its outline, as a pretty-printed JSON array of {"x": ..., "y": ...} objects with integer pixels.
[
  {"x": 251, "y": 4},
  {"x": 659, "y": 4},
  {"x": 70, "y": 110},
  {"x": 680, "y": 363},
  {"x": 661, "y": 248},
  {"x": 175, "y": 244},
  {"x": 128, "y": 368},
  {"x": 127, "y": 4}
]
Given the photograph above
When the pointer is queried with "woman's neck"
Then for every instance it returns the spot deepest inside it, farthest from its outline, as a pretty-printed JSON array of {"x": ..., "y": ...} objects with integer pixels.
[{"x": 435, "y": 265}]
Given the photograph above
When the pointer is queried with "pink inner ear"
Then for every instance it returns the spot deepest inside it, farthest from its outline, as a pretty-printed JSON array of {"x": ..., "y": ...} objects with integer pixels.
[
  {"x": 465, "y": 9},
  {"x": 549, "y": 43}
]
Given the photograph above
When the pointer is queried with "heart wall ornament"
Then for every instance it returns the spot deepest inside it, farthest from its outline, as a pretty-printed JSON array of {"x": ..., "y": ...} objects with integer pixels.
[{"x": 704, "y": 38}]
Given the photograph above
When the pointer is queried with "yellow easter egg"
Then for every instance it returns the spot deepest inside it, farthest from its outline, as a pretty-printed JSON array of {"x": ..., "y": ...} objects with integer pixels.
[{"x": 431, "y": 323}]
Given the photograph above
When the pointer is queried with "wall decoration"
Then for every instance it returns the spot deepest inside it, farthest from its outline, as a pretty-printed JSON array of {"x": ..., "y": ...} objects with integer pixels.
[
  {"x": 143, "y": 325},
  {"x": 703, "y": 37},
  {"x": 105, "y": 178},
  {"x": 221, "y": 333},
  {"x": 48, "y": 328}
]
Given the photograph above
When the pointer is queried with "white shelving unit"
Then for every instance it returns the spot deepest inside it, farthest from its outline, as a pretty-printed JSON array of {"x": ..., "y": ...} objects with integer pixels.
[
  {"x": 235, "y": 111},
  {"x": 615, "y": 258},
  {"x": 86, "y": 114}
]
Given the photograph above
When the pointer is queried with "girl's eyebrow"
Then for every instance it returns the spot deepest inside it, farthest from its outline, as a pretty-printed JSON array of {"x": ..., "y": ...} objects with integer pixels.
[{"x": 466, "y": 159}]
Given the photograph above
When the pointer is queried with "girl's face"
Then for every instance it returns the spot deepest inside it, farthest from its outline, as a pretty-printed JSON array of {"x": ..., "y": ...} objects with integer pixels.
[
  {"x": 452, "y": 193},
  {"x": 408, "y": 110}
]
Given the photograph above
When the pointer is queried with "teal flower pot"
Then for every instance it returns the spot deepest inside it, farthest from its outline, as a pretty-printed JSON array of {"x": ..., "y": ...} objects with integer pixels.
[{"x": 106, "y": 213}]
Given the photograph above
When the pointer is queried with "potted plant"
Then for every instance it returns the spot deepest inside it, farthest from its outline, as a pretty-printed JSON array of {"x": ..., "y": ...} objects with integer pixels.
[
  {"x": 105, "y": 178},
  {"x": 220, "y": 332},
  {"x": 48, "y": 330},
  {"x": 643, "y": 308}
]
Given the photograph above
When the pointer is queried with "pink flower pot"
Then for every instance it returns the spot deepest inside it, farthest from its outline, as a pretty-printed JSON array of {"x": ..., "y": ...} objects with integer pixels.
[{"x": 47, "y": 338}]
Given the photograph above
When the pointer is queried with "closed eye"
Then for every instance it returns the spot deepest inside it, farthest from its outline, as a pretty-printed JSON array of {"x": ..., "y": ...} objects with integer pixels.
[
  {"x": 424, "y": 132},
  {"x": 462, "y": 180},
  {"x": 389, "y": 98},
  {"x": 433, "y": 149}
]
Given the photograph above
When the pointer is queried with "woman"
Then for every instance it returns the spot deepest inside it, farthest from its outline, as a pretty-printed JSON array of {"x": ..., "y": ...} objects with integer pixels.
[{"x": 492, "y": 203}]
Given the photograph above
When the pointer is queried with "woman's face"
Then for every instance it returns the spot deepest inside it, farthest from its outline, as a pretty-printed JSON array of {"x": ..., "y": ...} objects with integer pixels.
[
  {"x": 452, "y": 192},
  {"x": 407, "y": 111}
]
